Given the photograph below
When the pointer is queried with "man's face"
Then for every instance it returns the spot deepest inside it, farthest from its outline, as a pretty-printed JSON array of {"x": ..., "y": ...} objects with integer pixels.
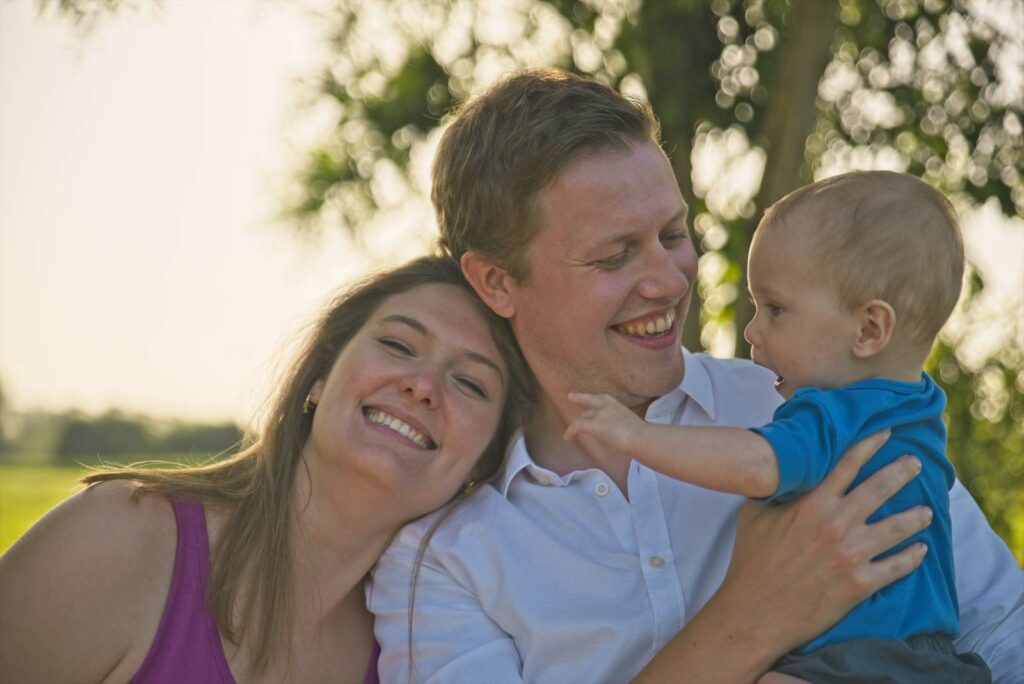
[{"x": 610, "y": 276}]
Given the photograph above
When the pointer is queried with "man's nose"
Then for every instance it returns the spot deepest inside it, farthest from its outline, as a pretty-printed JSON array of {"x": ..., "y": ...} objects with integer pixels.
[{"x": 663, "y": 278}]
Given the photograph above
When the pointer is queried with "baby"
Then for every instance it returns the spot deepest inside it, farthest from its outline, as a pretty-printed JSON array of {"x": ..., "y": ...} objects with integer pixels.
[{"x": 852, "y": 278}]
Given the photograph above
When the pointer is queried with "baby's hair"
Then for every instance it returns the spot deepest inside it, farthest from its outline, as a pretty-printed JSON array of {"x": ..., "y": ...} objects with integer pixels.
[{"x": 882, "y": 235}]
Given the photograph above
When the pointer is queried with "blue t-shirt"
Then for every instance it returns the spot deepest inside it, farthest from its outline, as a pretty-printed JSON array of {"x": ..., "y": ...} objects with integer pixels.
[{"x": 809, "y": 434}]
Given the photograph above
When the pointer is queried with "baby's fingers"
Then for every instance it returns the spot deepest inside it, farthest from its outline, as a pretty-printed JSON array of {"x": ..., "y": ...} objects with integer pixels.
[
  {"x": 575, "y": 429},
  {"x": 590, "y": 401}
]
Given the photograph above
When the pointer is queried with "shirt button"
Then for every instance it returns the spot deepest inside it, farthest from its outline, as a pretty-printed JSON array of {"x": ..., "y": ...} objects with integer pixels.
[
  {"x": 543, "y": 479},
  {"x": 602, "y": 489},
  {"x": 657, "y": 562}
]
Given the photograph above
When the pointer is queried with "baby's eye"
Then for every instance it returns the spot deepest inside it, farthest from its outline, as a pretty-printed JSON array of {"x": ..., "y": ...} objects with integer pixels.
[
  {"x": 396, "y": 345},
  {"x": 472, "y": 385},
  {"x": 674, "y": 238}
]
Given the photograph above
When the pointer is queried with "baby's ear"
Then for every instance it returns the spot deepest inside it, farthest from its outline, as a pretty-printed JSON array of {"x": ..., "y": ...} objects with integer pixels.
[{"x": 876, "y": 320}]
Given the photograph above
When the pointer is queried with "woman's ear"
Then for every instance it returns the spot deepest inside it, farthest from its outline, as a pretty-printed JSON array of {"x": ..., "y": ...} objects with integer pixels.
[
  {"x": 876, "y": 321},
  {"x": 315, "y": 392},
  {"x": 492, "y": 283}
]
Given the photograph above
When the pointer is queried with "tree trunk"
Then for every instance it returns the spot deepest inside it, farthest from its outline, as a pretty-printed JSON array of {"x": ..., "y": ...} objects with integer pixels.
[{"x": 789, "y": 120}]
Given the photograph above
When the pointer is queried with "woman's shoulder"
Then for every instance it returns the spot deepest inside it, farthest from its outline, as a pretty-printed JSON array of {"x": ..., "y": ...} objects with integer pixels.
[
  {"x": 95, "y": 571},
  {"x": 108, "y": 517}
]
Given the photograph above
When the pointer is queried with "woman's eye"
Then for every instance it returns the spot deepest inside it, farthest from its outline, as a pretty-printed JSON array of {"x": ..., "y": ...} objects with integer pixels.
[
  {"x": 774, "y": 310},
  {"x": 473, "y": 386},
  {"x": 396, "y": 345}
]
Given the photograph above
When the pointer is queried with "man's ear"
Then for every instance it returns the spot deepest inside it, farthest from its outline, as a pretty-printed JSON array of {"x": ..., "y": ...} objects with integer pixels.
[
  {"x": 876, "y": 321},
  {"x": 492, "y": 283}
]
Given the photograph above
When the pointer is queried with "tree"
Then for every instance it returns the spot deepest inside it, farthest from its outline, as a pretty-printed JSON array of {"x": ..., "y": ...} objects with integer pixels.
[
  {"x": 792, "y": 90},
  {"x": 778, "y": 91}
]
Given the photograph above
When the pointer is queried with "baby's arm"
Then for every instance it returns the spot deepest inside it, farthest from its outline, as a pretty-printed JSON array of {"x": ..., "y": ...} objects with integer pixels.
[{"x": 722, "y": 458}]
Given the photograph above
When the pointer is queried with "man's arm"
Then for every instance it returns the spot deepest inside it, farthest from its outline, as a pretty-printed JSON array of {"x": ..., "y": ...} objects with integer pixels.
[
  {"x": 795, "y": 570},
  {"x": 990, "y": 589}
]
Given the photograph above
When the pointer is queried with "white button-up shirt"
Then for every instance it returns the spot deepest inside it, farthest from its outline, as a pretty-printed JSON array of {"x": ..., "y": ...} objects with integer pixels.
[{"x": 551, "y": 578}]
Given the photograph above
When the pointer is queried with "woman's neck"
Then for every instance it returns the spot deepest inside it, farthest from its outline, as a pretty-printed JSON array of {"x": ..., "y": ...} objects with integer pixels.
[{"x": 338, "y": 532}]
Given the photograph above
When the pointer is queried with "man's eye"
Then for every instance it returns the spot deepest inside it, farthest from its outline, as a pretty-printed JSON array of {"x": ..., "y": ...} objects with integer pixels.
[
  {"x": 613, "y": 262},
  {"x": 473, "y": 386},
  {"x": 396, "y": 345}
]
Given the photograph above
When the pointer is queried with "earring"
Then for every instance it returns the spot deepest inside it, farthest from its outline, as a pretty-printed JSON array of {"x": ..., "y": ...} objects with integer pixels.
[
  {"x": 468, "y": 488},
  {"x": 308, "y": 406}
]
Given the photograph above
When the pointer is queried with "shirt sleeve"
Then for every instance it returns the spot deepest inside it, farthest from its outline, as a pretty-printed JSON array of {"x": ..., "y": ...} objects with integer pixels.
[
  {"x": 990, "y": 589},
  {"x": 454, "y": 641},
  {"x": 803, "y": 437}
]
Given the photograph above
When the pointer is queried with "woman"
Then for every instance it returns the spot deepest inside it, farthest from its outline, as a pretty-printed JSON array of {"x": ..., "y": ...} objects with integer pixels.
[{"x": 402, "y": 400}]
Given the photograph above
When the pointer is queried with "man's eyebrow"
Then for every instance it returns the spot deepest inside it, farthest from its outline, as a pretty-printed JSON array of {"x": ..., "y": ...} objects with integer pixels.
[
  {"x": 629, "y": 237},
  {"x": 422, "y": 329}
]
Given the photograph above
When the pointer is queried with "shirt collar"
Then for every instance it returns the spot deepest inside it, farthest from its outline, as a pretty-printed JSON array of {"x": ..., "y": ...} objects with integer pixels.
[
  {"x": 517, "y": 459},
  {"x": 696, "y": 385}
]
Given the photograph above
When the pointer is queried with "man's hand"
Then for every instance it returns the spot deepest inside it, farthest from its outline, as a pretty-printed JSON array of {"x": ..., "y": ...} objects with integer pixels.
[
  {"x": 605, "y": 419},
  {"x": 796, "y": 570},
  {"x": 822, "y": 543}
]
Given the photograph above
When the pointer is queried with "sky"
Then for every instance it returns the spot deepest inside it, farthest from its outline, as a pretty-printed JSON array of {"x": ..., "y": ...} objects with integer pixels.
[
  {"x": 142, "y": 168},
  {"x": 141, "y": 171}
]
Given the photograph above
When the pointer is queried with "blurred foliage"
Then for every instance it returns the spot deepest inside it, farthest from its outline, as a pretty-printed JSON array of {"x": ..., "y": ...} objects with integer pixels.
[
  {"x": 75, "y": 438},
  {"x": 781, "y": 92},
  {"x": 86, "y": 14},
  {"x": 115, "y": 434},
  {"x": 985, "y": 414},
  {"x": 755, "y": 98}
]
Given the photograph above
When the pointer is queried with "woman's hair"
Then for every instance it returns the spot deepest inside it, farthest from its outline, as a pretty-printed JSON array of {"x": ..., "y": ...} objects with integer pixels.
[{"x": 255, "y": 484}]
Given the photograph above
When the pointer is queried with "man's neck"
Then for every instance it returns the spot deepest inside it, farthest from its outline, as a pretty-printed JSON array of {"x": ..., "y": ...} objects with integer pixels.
[{"x": 549, "y": 449}]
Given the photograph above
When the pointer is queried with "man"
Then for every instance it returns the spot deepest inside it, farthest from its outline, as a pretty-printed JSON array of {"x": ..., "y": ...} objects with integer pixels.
[{"x": 583, "y": 566}]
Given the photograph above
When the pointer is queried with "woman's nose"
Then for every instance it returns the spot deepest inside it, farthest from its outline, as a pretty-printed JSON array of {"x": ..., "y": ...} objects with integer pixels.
[{"x": 420, "y": 387}]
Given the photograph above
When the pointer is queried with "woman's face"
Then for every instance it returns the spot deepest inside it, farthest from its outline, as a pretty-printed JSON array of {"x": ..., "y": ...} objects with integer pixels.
[{"x": 414, "y": 399}]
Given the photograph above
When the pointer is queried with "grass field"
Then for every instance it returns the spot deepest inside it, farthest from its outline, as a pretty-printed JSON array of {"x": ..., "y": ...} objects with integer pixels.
[{"x": 26, "y": 492}]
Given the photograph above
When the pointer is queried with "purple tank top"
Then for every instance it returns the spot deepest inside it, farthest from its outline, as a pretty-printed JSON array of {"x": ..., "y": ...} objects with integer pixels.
[{"x": 187, "y": 647}]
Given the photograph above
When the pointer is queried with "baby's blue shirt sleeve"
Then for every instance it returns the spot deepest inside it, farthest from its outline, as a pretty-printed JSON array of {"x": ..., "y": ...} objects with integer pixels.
[{"x": 804, "y": 436}]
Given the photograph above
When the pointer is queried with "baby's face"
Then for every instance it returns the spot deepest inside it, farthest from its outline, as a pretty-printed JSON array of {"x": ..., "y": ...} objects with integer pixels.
[{"x": 801, "y": 330}]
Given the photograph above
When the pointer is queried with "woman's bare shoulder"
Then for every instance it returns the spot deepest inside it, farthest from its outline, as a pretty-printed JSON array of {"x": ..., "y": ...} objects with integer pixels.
[
  {"x": 86, "y": 585},
  {"x": 103, "y": 523}
]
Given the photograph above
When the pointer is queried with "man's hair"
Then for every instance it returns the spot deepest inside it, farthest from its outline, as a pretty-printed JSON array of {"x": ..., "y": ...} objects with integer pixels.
[
  {"x": 882, "y": 235},
  {"x": 510, "y": 142}
]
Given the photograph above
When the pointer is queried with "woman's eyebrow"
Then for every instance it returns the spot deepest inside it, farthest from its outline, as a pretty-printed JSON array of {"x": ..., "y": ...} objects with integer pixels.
[
  {"x": 411, "y": 322},
  {"x": 480, "y": 358},
  {"x": 422, "y": 329}
]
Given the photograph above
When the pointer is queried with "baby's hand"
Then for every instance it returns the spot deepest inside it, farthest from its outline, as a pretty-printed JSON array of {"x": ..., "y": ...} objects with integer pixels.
[{"x": 605, "y": 419}]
